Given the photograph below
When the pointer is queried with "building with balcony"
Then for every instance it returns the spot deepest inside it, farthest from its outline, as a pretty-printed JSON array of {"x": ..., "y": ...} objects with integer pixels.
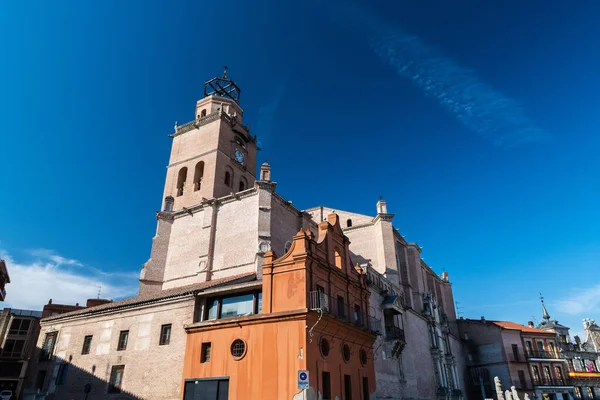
[
  {"x": 312, "y": 316},
  {"x": 19, "y": 330},
  {"x": 582, "y": 358},
  {"x": 218, "y": 220},
  {"x": 4, "y": 279},
  {"x": 521, "y": 356}
]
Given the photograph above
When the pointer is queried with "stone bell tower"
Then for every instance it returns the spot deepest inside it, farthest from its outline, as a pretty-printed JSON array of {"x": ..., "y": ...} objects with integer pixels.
[{"x": 214, "y": 154}]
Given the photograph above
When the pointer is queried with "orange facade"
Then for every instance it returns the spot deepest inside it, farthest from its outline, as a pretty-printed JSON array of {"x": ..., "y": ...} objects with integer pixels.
[{"x": 314, "y": 317}]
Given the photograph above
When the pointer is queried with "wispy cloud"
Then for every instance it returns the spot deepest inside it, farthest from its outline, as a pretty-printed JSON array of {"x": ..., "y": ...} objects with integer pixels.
[
  {"x": 50, "y": 276},
  {"x": 458, "y": 89},
  {"x": 50, "y": 255},
  {"x": 582, "y": 302}
]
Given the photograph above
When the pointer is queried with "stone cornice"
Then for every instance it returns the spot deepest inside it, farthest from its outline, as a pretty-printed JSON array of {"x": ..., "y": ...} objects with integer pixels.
[{"x": 383, "y": 217}]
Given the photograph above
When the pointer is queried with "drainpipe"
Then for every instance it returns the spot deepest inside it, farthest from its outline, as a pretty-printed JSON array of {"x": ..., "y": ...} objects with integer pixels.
[{"x": 211, "y": 240}]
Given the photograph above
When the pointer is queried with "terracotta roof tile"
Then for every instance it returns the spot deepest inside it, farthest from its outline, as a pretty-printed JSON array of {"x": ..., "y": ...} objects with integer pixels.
[
  {"x": 164, "y": 294},
  {"x": 519, "y": 327}
]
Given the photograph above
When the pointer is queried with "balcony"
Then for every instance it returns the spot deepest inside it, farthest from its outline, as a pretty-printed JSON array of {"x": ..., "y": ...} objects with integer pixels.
[
  {"x": 541, "y": 354},
  {"x": 551, "y": 382},
  {"x": 338, "y": 308},
  {"x": 394, "y": 333}
]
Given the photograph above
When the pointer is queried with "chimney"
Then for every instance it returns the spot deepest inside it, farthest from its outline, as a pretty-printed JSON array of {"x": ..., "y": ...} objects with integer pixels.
[
  {"x": 530, "y": 324},
  {"x": 483, "y": 319},
  {"x": 381, "y": 207},
  {"x": 265, "y": 172}
]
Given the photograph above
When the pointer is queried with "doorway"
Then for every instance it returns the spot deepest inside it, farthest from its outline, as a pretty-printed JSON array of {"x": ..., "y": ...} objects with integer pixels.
[{"x": 206, "y": 389}]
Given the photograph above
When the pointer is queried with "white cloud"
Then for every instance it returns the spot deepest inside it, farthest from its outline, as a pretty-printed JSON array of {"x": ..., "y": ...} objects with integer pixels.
[
  {"x": 581, "y": 301},
  {"x": 55, "y": 258},
  {"x": 49, "y": 277}
]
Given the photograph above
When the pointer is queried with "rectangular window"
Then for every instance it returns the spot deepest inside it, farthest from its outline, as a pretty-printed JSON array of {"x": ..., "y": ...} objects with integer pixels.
[
  {"x": 577, "y": 392},
  {"x": 563, "y": 339},
  {"x": 540, "y": 347},
  {"x": 39, "y": 380},
  {"x": 522, "y": 380},
  {"x": 165, "y": 334},
  {"x": 340, "y": 306},
  {"x": 19, "y": 326},
  {"x": 234, "y": 306},
  {"x": 13, "y": 348},
  {"x": 357, "y": 314},
  {"x": 116, "y": 378},
  {"x": 209, "y": 389},
  {"x": 515, "y": 350},
  {"x": 366, "y": 394},
  {"x": 205, "y": 352},
  {"x": 536, "y": 375},
  {"x": 326, "y": 378},
  {"x": 87, "y": 343},
  {"x": 213, "y": 309},
  {"x": 48, "y": 346},
  {"x": 347, "y": 387},
  {"x": 123, "y": 337}
]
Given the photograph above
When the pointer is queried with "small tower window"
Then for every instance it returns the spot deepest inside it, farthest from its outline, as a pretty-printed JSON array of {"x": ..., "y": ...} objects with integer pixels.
[
  {"x": 243, "y": 184},
  {"x": 348, "y": 223},
  {"x": 228, "y": 177},
  {"x": 198, "y": 173},
  {"x": 181, "y": 180},
  {"x": 203, "y": 113}
]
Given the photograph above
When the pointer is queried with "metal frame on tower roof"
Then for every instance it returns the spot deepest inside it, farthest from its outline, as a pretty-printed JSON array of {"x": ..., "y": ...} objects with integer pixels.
[{"x": 223, "y": 87}]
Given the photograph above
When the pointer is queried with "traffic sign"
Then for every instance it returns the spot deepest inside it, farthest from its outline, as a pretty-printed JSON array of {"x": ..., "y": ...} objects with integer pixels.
[{"x": 303, "y": 379}]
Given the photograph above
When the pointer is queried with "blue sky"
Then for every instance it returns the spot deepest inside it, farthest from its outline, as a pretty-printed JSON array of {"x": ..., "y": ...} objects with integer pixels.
[{"x": 477, "y": 122}]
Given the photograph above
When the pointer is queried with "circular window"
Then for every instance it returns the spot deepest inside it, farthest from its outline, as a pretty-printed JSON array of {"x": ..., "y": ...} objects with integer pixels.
[
  {"x": 346, "y": 352},
  {"x": 324, "y": 347},
  {"x": 238, "y": 348},
  {"x": 363, "y": 357}
]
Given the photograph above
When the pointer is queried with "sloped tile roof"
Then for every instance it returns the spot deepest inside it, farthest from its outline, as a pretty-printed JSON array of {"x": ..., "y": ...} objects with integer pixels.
[
  {"x": 164, "y": 294},
  {"x": 519, "y": 327}
]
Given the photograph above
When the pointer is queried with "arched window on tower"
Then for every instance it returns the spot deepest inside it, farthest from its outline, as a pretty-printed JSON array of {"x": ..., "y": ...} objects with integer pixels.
[
  {"x": 338, "y": 259},
  {"x": 243, "y": 184},
  {"x": 181, "y": 180},
  {"x": 228, "y": 177},
  {"x": 203, "y": 113},
  {"x": 198, "y": 173},
  {"x": 348, "y": 223}
]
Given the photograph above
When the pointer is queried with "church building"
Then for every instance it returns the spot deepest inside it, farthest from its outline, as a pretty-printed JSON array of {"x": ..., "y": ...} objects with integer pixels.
[{"x": 213, "y": 289}]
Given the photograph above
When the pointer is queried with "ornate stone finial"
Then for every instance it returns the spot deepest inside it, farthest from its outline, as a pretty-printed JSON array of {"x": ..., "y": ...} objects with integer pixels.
[
  {"x": 176, "y": 126},
  {"x": 508, "y": 395},
  {"x": 526, "y": 397},
  {"x": 498, "y": 388},
  {"x": 225, "y": 71},
  {"x": 515, "y": 394}
]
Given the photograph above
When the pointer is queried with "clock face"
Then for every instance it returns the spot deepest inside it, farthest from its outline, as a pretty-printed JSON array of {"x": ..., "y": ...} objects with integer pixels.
[{"x": 239, "y": 156}]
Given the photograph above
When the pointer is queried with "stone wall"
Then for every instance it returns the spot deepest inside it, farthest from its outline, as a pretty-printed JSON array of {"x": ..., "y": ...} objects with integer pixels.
[{"x": 152, "y": 371}]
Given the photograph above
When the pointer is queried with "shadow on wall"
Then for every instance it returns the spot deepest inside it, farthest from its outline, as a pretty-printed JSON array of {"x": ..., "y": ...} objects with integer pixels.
[{"x": 55, "y": 378}]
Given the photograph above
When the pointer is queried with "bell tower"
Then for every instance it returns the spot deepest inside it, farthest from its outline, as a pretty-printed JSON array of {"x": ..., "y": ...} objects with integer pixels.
[{"x": 214, "y": 154}]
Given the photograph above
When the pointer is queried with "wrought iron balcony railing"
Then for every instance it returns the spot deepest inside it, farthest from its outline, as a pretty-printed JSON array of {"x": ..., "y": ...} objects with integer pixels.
[
  {"x": 339, "y": 308},
  {"x": 393, "y": 332},
  {"x": 541, "y": 354}
]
